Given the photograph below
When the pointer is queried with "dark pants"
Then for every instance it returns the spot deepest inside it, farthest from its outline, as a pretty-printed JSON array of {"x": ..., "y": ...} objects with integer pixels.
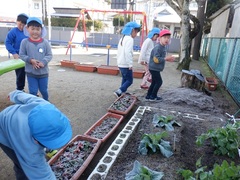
[
  {"x": 20, "y": 175},
  {"x": 20, "y": 78},
  {"x": 127, "y": 78},
  {"x": 155, "y": 85}
]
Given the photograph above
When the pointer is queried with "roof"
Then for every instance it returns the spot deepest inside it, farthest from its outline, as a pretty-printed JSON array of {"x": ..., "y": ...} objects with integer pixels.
[{"x": 68, "y": 12}]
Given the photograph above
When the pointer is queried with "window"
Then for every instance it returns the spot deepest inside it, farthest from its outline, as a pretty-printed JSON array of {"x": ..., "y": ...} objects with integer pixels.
[{"x": 36, "y": 5}]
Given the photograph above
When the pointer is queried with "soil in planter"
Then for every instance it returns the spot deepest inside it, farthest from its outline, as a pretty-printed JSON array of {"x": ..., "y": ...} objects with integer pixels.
[
  {"x": 123, "y": 103},
  {"x": 72, "y": 159},
  {"x": 104, "y": 128}
]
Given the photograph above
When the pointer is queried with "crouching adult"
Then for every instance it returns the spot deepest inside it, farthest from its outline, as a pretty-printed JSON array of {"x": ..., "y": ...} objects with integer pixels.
[{"x": 26, "y": 128}]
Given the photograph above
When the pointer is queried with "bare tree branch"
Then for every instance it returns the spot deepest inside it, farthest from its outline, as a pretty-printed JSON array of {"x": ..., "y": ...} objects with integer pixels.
[{"x": 175, "y": 6}]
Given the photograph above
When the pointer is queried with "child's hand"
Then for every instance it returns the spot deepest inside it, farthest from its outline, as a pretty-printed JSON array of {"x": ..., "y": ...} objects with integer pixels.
[
  {"x": 170, "y": 58},
  {"x": 40, "y": 64},
  {"x": 143, "y": 63},
  {"x": 34, "y": 63}
]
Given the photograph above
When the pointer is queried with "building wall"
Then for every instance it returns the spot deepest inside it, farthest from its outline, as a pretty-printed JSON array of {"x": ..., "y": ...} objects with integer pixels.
[
  {"x": 219, "y": 24},
  {"x": 235, "y": 29}
]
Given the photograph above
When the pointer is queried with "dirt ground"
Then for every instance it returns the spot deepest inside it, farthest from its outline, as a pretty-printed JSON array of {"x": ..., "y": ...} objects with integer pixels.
[
  {"x": 85, "y": 97},
  {"x": 196, "y": 112}
]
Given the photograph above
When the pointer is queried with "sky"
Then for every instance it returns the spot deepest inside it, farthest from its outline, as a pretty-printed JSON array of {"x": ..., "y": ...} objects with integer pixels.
[{"x": 11, "y": 8}]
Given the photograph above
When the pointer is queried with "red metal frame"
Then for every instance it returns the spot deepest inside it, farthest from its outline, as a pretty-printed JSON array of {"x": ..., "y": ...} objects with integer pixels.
[{"x": 82, "y": 12}]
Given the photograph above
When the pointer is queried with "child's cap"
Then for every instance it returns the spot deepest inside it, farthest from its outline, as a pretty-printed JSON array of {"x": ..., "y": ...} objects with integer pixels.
[
  {"x": 35, "y": 21},
  {"x": 153, "y": 31},
  {"x": 49, "y": 126},
  {"x": 127, "y": 30},
  {"x": 31, "y": 19},
  {"x": 164, "y": 32}
]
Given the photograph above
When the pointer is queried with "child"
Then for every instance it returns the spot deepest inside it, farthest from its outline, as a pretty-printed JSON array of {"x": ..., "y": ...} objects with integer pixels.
[
  {"x": 145, "y": 53},
  {"x": 12, "y": 43},
  {"x": 125, "y": 56},
  {"x": 157, "y": 63},
  {"x": 37, "y": 53},
  {"x": 26, "y": 128}
]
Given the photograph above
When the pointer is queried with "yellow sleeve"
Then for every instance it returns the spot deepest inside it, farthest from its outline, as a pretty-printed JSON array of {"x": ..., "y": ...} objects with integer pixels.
[{"x": 155, "y": 59}]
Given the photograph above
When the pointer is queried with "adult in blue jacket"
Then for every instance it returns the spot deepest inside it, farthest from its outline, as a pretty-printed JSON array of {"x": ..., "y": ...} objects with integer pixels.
[{"x": 26, "y": 128}]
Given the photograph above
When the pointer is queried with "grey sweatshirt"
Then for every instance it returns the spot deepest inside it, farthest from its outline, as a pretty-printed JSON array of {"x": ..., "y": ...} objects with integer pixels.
[
  {"x": 157, "y": 58},
  {"x": 40, "y": 51}
]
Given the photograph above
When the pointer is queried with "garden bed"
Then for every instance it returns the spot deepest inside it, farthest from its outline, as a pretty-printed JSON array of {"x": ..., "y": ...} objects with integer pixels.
[
  {"x": 104, "y": 127},
  {"x": 196, "y": 113},
  {"x": 123, "y": 104},
  {"x": 72, "y": 160}
]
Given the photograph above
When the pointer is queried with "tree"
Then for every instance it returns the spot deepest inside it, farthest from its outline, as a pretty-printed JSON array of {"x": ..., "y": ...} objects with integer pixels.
[
  {"x": 182, "y": 9},
  {"x": 198, "y": 38}
]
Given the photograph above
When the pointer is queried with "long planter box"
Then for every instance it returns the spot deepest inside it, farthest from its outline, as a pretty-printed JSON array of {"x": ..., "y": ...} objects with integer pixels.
[
  {"x": 105, "y": 126},
  {"x": 138, "y": 73},
  {"x": 85, "y": 67},
  {"x": 123, "y": 104},
  {"x": 71, "y": 161},
  {"x": 68, "y": 63},
  {"x": 110, "y": 70}
]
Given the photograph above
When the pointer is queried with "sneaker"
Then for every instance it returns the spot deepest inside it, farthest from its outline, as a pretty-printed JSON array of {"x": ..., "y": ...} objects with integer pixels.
[
  {"x": 117, "y": 94},
  {"x": 144, "y": 87},
  {"x": 152, "y": 99},
  {"x": 158, "y": 98},
  {"x": 155, "y": 99},
  {"x": 147, "y": 98}
]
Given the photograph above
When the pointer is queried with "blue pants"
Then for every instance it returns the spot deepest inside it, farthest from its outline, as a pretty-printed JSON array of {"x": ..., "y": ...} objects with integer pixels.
[
  {"x": 155, "y": 85},
  {"x": 41, "y": 84},
  {"x": 20, "y": 175},
  {"x": 20, "y": 78},
  {"x": 127, "y": 78}
]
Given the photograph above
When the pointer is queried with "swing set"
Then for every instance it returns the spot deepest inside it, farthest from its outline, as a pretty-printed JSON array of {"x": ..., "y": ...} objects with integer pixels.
[{"x": 82, "y": 17}]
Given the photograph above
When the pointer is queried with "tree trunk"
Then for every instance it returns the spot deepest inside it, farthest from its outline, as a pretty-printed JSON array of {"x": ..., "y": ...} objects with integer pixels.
[
  {"x": 185, "y": 39},
  {"x": 198, "y": 38}
]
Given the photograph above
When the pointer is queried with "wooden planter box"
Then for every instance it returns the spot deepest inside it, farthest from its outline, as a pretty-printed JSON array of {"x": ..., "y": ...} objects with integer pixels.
[
  {"x": 86, "y": 67},
  {"x": 110, "y": 70},
  {"x": 68, "y": 63},
  {"x": 211, "y": 83},
  {"x": 79, "y": 151},
  {"x": 105, "y": 126},
  {"x": 123, "y": 104},
  {"x": 138, "y": 73}
]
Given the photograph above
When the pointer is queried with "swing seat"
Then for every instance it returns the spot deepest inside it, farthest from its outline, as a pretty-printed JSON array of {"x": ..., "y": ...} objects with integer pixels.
[{"x": 10, "y": 65}]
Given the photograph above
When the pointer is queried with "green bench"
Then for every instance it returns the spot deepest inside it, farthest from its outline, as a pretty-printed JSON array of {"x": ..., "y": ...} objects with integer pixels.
[{"x": 9, "y": 65}]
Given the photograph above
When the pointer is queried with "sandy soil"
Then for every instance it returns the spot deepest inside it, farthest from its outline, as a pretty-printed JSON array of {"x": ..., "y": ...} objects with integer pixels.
[{"x": 85, "y": 97}]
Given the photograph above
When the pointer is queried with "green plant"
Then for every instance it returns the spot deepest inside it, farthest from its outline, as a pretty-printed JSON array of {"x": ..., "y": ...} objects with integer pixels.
[
  {"x": 164, "y": 121},
  {"x": 219, "y": 172},
  {"x": 225, "y": 140},
  {"x": 155, "y": 142},
  {"x": 140, "y": 172}
]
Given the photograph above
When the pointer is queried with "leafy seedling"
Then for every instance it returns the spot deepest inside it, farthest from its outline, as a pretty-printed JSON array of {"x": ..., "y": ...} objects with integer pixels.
[
  {"x": 219, "y": 172},
  {"x": 225, "y": 140},
  {"x": 154, "y": 143},
  {"x": 166, "y": 122},
  {"x": 140, "y": 172}
]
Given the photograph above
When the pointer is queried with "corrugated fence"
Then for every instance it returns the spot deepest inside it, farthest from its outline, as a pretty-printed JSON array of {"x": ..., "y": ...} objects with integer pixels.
[{"x": 223, "y": 56}]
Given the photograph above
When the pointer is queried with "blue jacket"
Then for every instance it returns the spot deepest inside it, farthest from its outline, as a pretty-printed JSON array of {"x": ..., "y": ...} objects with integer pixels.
[
  {"x": 13, "y": 40},
  {"x": 15, "y": 134},
  {"x": 157, "y": 58}
]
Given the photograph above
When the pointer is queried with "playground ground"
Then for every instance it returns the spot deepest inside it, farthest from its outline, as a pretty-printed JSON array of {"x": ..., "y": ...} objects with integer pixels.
[{"x": 83, "y": 97}]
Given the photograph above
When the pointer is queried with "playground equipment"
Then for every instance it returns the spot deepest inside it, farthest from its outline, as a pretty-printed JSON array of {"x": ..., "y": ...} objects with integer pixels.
[
  {"x": 81, "y": 16},
  {"x": 10, "y": 65}
]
